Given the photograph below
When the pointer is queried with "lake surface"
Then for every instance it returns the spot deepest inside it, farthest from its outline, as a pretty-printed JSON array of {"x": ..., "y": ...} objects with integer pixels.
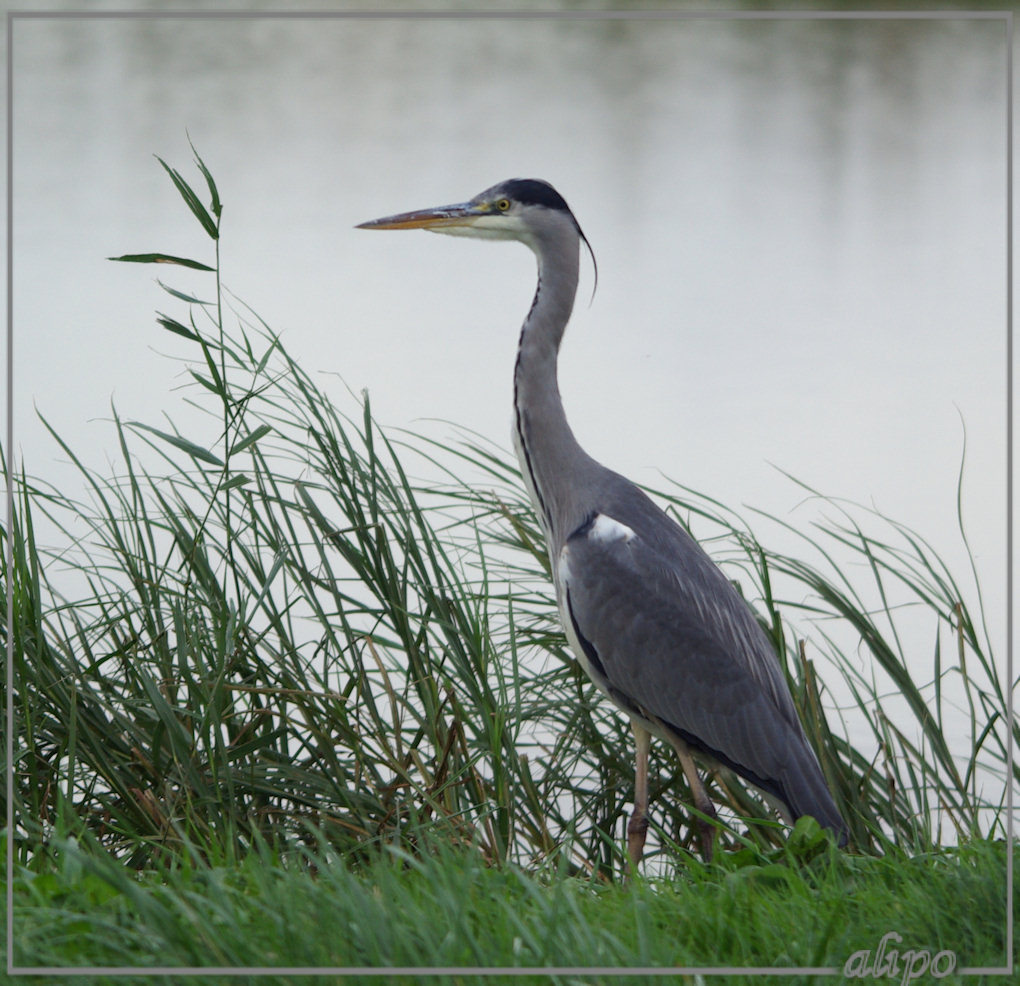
[{"x": 800, "y": 228}]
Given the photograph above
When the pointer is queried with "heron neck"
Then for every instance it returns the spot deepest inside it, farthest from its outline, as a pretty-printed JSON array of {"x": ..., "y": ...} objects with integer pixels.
[{"x": 546, "y": 446}]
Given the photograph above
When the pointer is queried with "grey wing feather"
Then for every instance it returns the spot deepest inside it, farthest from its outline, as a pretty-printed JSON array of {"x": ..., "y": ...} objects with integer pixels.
[{"x": 674, "y": 639}]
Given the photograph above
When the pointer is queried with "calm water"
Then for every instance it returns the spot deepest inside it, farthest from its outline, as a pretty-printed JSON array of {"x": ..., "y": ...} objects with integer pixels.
[{"x": 799, "y": 226}]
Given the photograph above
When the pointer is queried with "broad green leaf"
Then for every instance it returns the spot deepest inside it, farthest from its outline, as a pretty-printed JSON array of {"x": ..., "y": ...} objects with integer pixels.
[
  {"x": 171, "y": 325},
  {"x": 238, "y": 480},
  {"x": 195, "y": 451},
  {"x": 215, "y": 205},
  {"x": 207, "y": 383},
  {"x": 266, "y": 355},
  {"x": 251, "y": 439},
  {"x": 161, "y": 258},
  {"x": 194, "y": 204}
]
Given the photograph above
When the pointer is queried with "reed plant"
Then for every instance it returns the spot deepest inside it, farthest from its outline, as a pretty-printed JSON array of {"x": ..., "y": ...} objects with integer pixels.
[{"x": 292, "y": 625}]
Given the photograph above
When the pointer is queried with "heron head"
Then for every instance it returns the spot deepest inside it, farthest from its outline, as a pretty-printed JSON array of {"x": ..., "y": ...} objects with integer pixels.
[{"x": 525, "y": 209}]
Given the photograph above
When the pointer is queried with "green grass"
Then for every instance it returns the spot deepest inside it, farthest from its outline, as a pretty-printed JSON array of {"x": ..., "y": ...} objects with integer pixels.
[
  {"x": 292, "y": 628},
  {"x": 805, "y": 907}
]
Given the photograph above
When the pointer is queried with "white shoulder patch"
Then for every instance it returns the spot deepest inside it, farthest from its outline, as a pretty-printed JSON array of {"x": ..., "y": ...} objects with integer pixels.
[
  {"x": 602, "y": 529},
  {"x": 605, "y": 528}
]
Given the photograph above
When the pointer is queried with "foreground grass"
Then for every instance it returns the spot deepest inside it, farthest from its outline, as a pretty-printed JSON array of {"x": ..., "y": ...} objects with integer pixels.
[{"x": 448, "y": 908}]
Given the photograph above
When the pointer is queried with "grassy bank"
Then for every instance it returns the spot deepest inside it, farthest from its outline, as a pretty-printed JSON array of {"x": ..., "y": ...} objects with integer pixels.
[{"x": 806, "y": 906}]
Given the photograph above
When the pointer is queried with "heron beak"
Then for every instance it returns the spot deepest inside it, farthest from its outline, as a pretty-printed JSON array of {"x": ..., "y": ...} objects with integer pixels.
[{"x": 462, "y": 214}]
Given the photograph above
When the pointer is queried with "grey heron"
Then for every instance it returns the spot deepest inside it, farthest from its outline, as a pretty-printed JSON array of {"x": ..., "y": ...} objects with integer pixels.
[{"x": 651, "y": 618}]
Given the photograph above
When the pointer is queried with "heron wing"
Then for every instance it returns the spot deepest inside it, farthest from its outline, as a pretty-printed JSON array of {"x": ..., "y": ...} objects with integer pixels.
[{"x": 665, "y": 634}]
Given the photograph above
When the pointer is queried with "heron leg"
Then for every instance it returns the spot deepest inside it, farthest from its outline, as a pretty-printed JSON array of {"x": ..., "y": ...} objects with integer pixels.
[
  {"x": 702, "y": 802},
  {"x": 637, "y": 826}
]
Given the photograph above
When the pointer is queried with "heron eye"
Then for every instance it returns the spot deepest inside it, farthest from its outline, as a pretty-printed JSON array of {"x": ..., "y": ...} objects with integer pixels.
[{"x": 503, "y": 205}]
